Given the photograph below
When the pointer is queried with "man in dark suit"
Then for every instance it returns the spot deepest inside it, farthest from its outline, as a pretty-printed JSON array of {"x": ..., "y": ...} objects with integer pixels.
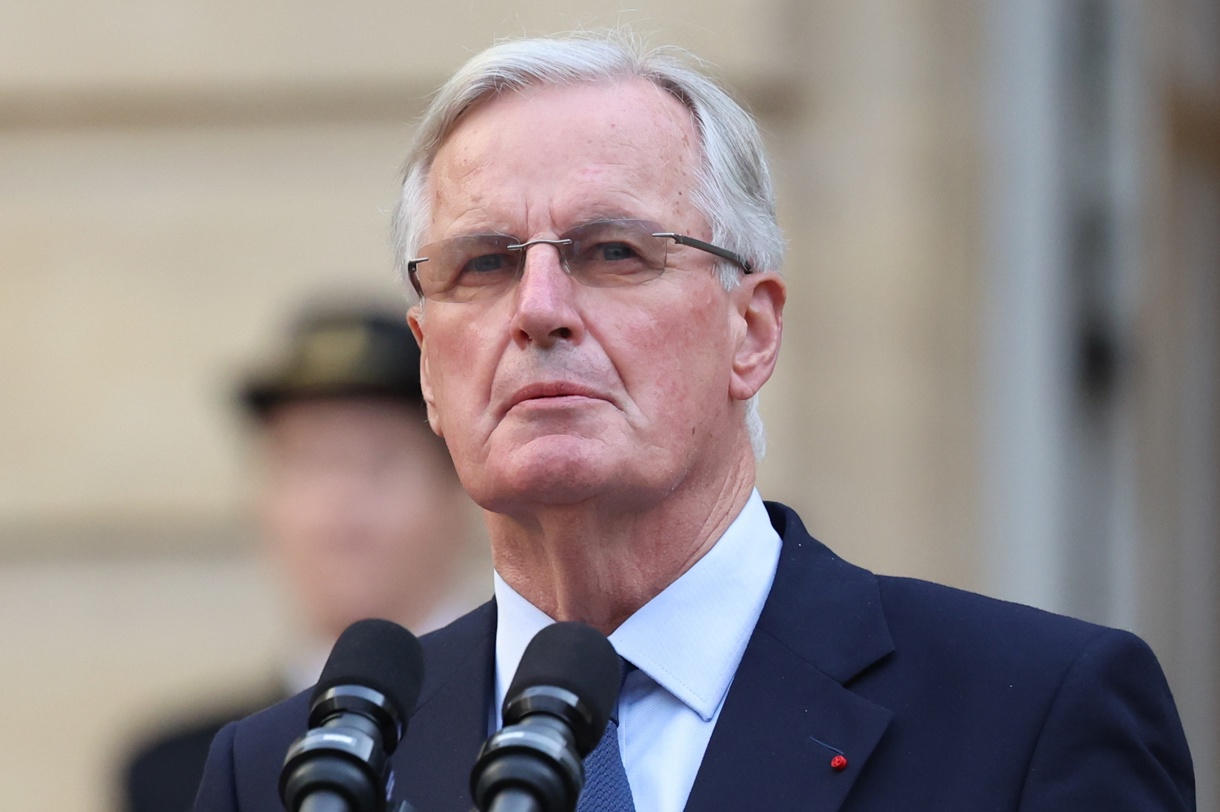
[
  {"x": 359, "y": 510},
  {"x": 591, "y": 231}
]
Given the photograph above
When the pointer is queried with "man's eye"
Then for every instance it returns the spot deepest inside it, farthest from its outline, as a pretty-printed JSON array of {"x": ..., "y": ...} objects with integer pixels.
[
  {"x": 614, "y": 252},
  {"x": 487, "y": 263}
]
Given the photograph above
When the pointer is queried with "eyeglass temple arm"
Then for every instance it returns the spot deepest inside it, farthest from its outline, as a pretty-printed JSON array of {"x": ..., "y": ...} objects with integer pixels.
[
  {"x": 411, "y": 275},
  {"x": 723, "y": 253}
]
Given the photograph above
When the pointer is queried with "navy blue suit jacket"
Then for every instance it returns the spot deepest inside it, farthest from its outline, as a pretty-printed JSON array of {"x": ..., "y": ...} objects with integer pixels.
[{"x": 938, "y": 700}]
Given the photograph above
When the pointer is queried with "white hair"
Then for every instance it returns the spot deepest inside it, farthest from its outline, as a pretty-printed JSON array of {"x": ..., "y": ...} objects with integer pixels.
[{"x": 733, "y": 189}]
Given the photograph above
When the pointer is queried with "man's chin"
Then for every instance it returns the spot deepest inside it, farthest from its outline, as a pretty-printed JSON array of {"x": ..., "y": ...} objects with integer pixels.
[
  {"x": 544, "y": 489},
  {"x": 545, "y": 477}
]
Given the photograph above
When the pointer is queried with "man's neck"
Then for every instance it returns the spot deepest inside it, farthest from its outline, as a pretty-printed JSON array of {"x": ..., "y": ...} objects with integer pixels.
[{"x": 599, "y": 564}]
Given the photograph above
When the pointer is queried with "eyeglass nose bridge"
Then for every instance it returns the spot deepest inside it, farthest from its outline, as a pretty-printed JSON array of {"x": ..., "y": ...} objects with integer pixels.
[
  {"x": 521, "y": 246},
  {"x": 560, "y": 244}
]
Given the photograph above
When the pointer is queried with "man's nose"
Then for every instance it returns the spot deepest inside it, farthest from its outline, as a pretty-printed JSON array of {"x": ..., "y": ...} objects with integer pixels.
[{"x": 545, "y": 308}]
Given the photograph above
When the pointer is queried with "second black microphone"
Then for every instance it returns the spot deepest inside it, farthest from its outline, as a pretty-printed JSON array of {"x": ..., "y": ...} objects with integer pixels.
[{"x": 555, "y": 712}]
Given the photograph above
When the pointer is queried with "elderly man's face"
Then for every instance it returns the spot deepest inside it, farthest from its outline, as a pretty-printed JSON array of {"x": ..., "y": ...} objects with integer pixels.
[{"x": 553, "y": 392}]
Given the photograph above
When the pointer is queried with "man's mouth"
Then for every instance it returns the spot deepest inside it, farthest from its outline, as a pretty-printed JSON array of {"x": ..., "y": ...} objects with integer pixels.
[{"x": 557, "y": 390}]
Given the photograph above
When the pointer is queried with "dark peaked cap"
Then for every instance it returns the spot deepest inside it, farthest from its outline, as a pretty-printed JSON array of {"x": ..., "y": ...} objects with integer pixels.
[{"x": 341, "y": 352}]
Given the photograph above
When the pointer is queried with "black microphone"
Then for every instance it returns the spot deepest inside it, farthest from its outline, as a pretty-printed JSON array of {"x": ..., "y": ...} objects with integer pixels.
[
  {"x": 358, "y": 713},
  {"x": 555, "y": 712}
]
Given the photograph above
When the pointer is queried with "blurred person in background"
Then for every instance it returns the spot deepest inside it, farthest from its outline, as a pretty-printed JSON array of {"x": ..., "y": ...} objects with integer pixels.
[{"x": 359, "y": 505}]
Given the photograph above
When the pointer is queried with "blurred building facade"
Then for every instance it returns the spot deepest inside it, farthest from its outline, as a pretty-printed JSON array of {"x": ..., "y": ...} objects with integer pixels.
[{"x": 1002, "y": 361}]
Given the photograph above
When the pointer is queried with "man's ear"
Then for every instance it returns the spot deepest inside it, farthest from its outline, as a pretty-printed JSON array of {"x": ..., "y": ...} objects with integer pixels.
[
  {"x": 415, "y": 320},
  {"x": 760, "y": 308}
]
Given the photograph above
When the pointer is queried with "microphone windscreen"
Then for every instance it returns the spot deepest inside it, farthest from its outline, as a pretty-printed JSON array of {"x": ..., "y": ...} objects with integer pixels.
[
  {"x": 380, "y": 655},
  {"x": 577, "y": 658}
]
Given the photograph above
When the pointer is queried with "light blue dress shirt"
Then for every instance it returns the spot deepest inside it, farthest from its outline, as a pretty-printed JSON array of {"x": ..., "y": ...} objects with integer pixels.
[{"x": 686, "y": 642}]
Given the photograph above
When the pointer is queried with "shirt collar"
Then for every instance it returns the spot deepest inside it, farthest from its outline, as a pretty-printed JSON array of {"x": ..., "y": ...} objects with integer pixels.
[{"x": 691, "y": 637}]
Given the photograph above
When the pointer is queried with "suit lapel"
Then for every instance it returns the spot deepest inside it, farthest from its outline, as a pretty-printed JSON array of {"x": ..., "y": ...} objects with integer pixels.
[
  {"x": 781, "y": 726},
  {"x": 788, "y": 713},
  {"x": 432, "y": 765}
]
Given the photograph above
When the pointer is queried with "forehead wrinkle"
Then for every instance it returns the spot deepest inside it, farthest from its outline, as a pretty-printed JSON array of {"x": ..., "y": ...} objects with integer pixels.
[
  {"x": 468, "y": 205},
  {"x": 598, "y": 195},
  {"x": 615, "y": 186}
]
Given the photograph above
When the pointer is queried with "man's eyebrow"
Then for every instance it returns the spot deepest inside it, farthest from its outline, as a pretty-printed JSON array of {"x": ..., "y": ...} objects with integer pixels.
[{"x": 609, "y": 216}]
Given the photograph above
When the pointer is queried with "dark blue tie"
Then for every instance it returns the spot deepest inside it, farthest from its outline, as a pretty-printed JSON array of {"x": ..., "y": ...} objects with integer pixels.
[{"x": 606, "y": 788}]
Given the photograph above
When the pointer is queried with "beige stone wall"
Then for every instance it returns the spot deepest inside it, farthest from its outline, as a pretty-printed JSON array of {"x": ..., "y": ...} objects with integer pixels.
[{"x": 874, "y": 415}]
